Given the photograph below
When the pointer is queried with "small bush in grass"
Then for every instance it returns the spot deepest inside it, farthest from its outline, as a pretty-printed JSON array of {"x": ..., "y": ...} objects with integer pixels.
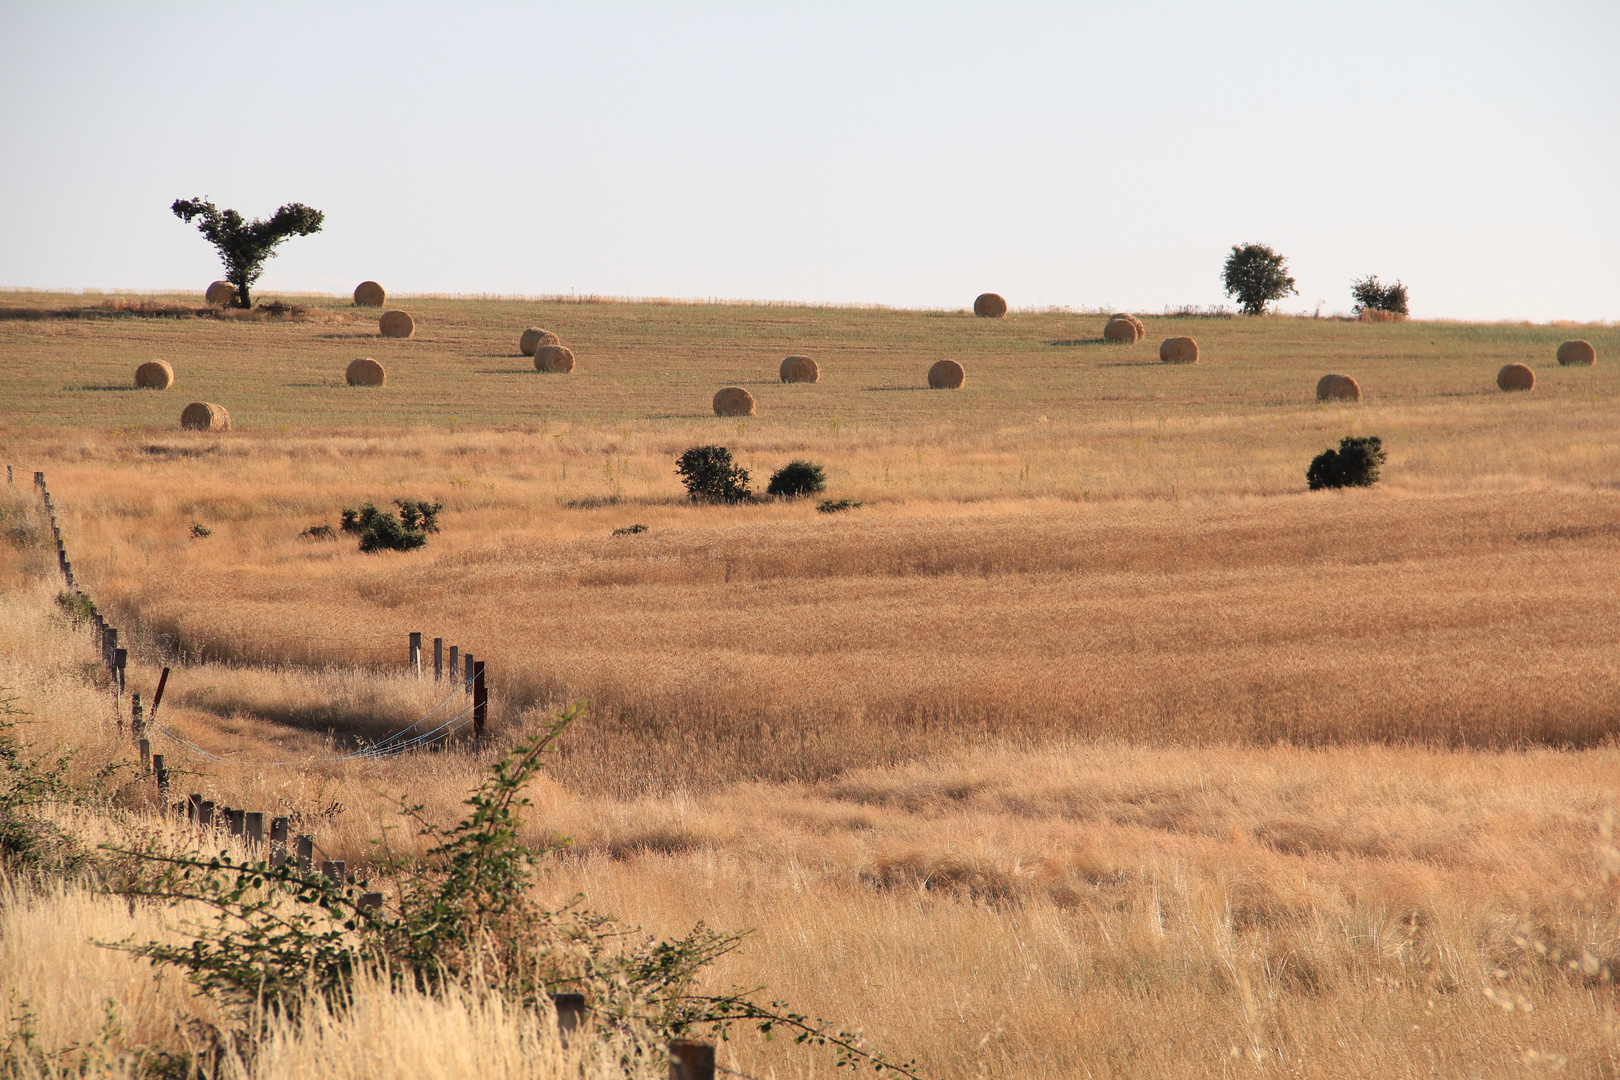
[
  {"x": 1372, "y": 295},
  {"x": 381, "y": 531},
  {"x": 834, "y": 506},
  {"x": 797, "y": 478},
  {"x": 199, "y": 530},
  {"x": 711, "y": 476},
  {"x": 630, "y": 530},
  {"x": 1354, "y": 464},
  {"x": 319, "y": 532}
]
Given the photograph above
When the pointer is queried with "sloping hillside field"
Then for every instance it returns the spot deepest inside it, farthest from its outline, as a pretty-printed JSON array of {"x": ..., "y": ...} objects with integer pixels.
[{"x": 1082, "y": 712}]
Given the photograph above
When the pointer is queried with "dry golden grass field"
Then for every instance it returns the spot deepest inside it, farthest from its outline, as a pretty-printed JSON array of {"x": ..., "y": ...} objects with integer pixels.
[{"x": 1090, "y": 744}]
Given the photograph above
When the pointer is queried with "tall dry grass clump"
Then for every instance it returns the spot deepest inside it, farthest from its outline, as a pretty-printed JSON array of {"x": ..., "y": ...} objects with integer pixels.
[
  {"x": 370, "y": 294},
  {"x": 1577, "y": 354},
  {"x": 155, "y": 375},
  {"x": 205, "y": 416},
  {"x": 396, "y": 324},
  {"x": 534, "y": 337},
  {"x": 733, "y": 401},
  {"x": 799, "y": 369},
  {"x": 1516, "y": 377},
  {"x": 364, "y": 371},
  {"x": 1337, "y": 388}
]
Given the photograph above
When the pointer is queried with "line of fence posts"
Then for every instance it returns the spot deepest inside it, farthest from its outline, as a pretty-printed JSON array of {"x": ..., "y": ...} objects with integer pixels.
[{"x": 463, "y": 667}]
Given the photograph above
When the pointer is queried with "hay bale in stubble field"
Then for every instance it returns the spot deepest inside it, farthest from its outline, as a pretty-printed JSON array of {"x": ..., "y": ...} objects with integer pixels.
[
  {"x": 365, "y": 372},
  {"x": 397, "y": 324},
  {"x": 1577, "y": 354},
  {"x": 534, "y": 337},
  {"x": 800, "y": 369},
  {"x": 733, "y": 401},
  {"x": 203, "y": 416},
  {"x": 1337, "y": 388},
  {"x": 946, "y": 375},
  {"x": 1179, "y": 350},
  {"x": 554, "y": 359},
  {"x": 1121, "y": 330},
  {"x": 219, "y": 294},
  {"x": 1516, "y": 377},
  {"x": 154, "y": 375},
  {"x": 370, "y": 294},
  {"x": 989, "y": 306}
]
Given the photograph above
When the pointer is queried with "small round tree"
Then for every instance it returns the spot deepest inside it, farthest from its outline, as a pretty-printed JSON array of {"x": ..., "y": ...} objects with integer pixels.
[
  {"x": 245, "y": 245},
  {"x": 1370, "y": 293},
  {"x": 1256, "y": 275},
  {"x": 797, "y": 478},
  {"x": 711, "y": 476}
]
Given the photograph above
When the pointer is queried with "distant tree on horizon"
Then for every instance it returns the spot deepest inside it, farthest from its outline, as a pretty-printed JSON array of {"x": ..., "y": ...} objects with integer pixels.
[
  {"x": 1256, "y": 275},
  {"x": 1369, "y": 292},
  {"x": 244, "y": 246}
]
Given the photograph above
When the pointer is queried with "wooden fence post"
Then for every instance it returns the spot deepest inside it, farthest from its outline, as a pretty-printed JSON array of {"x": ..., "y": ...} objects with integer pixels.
[
  {"x": 416, "y": 653},
  {"x": 480, "y": 701},
  {"x": 137, "y": 721},
  {"x": 278, "y": 842},
  {"x": 253, "y": 827},
  {"x": 162, "y": 775},
  {"x": 205, "y": 814},
  {"x": 438, "y": 659},
  {"x": 371, "y": 901},
  {"x": 455, "y": 663},
  {"x": 333, "y": 871},
  {"x": 120, "y": 661},
  {"x": 193, "y": 807},
  {"x": 157, "y": 698},
  {"x": 146, "y": 755},
  {"x": 691, "y": 1060},
  {"x": 236, "y": 819},
  {"x": 304, "y": 851},
  {"x": 467, "y": 670}
]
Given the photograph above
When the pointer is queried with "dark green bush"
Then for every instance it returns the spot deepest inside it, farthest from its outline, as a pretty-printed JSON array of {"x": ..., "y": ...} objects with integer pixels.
[
  {"x": 630, "y": 530},
  {"x": 381, "y": 531},
  {"x": 711, "y": 476},
  {"x": 1369, "y": 292},
  {"x": 319, "y": 532},
  {"x": 199, "y": 530},
  {"x": 1256, "y": 275},
  {"x": 834, "y": 506},
  {"x": 1354, "y": 464},
  {"x": 797, "y": 478}
]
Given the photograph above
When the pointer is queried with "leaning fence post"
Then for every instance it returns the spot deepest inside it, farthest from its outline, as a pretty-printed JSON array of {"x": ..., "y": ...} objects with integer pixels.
[
  {"x": 480, "y": 701},
  {"x": 416, "y": 653},
  {"x": 278, "y": 842},
  {"x": 691, "y": 1060},
  {"x": 438, "y": 659}
]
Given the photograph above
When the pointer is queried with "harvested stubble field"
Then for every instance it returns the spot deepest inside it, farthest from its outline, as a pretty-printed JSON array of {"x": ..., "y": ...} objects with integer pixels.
[{"x": 1089, "y": 744}]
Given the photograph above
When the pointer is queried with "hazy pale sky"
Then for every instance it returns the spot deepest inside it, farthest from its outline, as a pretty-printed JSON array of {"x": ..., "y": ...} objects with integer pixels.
[{"x": 906, "y": 154}]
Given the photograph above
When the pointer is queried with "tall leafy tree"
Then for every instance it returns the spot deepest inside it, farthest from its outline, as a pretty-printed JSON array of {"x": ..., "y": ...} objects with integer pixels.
[
  {"x": 1256, "y": 275},
  {"x": 245, "y": 245}
]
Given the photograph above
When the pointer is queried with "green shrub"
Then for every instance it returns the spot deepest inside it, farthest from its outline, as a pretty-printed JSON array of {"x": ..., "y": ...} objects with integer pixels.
[
  {"x": 1256, "y": 275},
  {"x": 630, "y": 530},
  {"x": 319, "y": 532},
  {"x": 834, "y": 506},
  {"x": 711, "y": 476},
  {"x": 796, "y": 479},
  {"x": 1354, "y": 464},
  {"x": 199, "y": 530},
  {"x": 1370, "y": 293},
  {"x": 381, "y": 531}
]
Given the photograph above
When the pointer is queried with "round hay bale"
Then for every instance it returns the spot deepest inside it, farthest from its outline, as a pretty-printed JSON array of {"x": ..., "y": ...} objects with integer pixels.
[
  {"x": 1179, "y": 350},
  {"x": 365, "y": 372},
  {"x": 1141, "y": 331},
  {"x": 534, "y": 337},
  {"x": 202, "y": 416},
  {"x": 370, "y": 294},
  {"x": 946, "y": 375},
  {"x": 1577, "y": 353},
  {"x": 397, "y": 324},
  {"x": 154, "y": 375},
  {"x": 733, "y": 401},
  {"x": 989, "y": 306},
  {"x": 800, "y": 369},
  {"x": 1337, "y": 388},
  {"x": 220, "y": 294},
  {"x": 556, "y": 359},
  {"x": 1516, "y": 377},
  {"x": 1122, "y": 330}
]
